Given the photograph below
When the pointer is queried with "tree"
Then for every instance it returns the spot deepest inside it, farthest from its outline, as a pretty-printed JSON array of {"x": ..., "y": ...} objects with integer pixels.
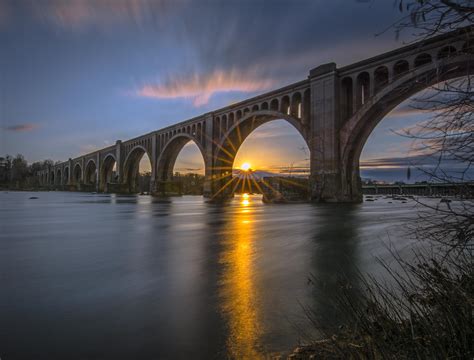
[
  {"x": 19, "y": 169},
  {"x": 446, "y": 139},
  {"x": 433, "y": 17}
]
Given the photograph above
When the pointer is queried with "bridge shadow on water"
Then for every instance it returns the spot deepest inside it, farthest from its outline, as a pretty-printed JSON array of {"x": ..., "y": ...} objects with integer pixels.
[{"x": 335, "y": 263}]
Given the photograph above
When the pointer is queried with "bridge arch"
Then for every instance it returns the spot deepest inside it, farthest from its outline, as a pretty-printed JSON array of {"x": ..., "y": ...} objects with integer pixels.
[
  {"x": 66, "y": 175},
  {"x": 106, "y": 171},
  {"x": 362, "y": 89},
  {"x": 90, "y": 176},
  {"x": 169, "y": 154},
  {"x": 422, "y": 59},
  {"x": 230, "y": 143},
  {"x": 77, "y": 174},
  {"x": 131, "y": 166},
  {"x": 400, "y": 68},
  {"x": 58, "y": 177},
  {"x": 358, "y": 128},
  {"x": 381, "y": 77},
  {"x": 447, "y": 51}
]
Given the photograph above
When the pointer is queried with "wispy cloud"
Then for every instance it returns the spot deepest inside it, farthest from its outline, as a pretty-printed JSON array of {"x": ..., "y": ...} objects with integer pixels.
[
  {"x": 408, "y": 110},
  {"x": 77, "y": 14},
  {"x": 200, "y": 87},
  {"x": 420, "y": 160},
  {"x": 21, "y": 127}
]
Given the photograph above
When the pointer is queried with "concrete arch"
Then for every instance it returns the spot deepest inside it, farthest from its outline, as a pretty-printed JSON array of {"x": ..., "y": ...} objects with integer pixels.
[
  {"x": 169, "y": 154},
  {"x": 66, "y": 175},
  {"x": 274, "y": 105},
  {"x": 90, "y": 172},
  {"x": 400, "y": 68},
  {"x": 106, "y": 171},
  {"x": 358, "y": 128},
  {"x": 363, "y": 88},
  {"x": 77, "y": 174},
  {"x": 131, "y": 166},
  {"x": 285, "y": 105},
  {"x": 447, "y": 51},
  {"x": 58, "y": 177},
  {"x": 296, "y": 105},
  {"x": 230, "y": 143},
  {"x": 381, "y": 77},
  {"x": 224, "y": 123},
  {"x": 422, "y": 59}
]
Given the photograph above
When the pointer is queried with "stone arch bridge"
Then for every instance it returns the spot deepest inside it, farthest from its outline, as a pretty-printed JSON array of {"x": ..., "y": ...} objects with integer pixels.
[{"x": 334, "y": 109}]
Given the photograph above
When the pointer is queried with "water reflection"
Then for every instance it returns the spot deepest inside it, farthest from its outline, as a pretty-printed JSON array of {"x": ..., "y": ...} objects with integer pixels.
[
  {"x": 137, "y": 277},
  {"x": 241, "y": 303}
]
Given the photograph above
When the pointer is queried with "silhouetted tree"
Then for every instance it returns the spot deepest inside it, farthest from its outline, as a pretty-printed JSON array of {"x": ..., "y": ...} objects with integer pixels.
[
  {"x": 19, "y": 169},
  {"x": 433, "y": 17},
  {"x": 446, "y": 139}
]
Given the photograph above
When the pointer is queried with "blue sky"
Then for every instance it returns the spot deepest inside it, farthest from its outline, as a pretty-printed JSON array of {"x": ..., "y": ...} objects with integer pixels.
[{"x": 77, "y": 75}]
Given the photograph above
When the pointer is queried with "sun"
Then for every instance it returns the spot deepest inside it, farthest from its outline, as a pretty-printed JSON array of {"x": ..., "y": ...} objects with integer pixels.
[{"x": 245, "y": 166}]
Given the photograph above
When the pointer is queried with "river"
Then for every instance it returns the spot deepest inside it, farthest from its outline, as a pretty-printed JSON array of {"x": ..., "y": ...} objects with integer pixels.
[{"x": 88, "y": 276}]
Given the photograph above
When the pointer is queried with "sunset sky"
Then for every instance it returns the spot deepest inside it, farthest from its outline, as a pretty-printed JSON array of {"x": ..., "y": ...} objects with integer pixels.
[{"x": 77, "y": 75}]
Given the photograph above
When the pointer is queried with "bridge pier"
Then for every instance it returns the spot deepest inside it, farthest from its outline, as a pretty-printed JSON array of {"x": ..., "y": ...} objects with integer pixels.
[
  {"x": 328, "y": 182},
  {"x": 222, "y": 187}
]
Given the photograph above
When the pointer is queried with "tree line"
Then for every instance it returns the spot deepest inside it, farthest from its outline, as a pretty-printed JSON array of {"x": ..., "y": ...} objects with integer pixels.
[{"x": 16, "y": 173}]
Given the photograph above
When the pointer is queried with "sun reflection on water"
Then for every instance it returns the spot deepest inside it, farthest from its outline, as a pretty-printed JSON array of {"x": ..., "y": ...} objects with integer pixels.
[{"x": 239, "y": 293}]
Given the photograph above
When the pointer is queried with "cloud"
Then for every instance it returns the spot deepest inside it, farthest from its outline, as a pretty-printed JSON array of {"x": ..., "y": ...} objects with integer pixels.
[
  {"x": 21, "y": 127},
  {"x": 421, "y": 160},
  {"x": 75, "y": 14},
  {"x": 394, "y": 162},
  {"x": 407, "y": 110},
  {"x": 200, "y": 87}
]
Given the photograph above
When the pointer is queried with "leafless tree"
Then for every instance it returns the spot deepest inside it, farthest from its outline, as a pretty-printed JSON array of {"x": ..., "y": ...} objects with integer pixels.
[
  {"x": 433, "y": 17},
  {"x": 446, "y": 139}
]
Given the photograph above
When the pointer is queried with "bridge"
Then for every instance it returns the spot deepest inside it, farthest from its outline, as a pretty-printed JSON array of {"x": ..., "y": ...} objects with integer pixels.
[{"x": 334, "y": 109}]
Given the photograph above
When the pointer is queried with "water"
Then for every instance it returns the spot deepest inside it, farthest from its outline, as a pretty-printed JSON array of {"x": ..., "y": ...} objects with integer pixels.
[{"x": 87, "y": 276}]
